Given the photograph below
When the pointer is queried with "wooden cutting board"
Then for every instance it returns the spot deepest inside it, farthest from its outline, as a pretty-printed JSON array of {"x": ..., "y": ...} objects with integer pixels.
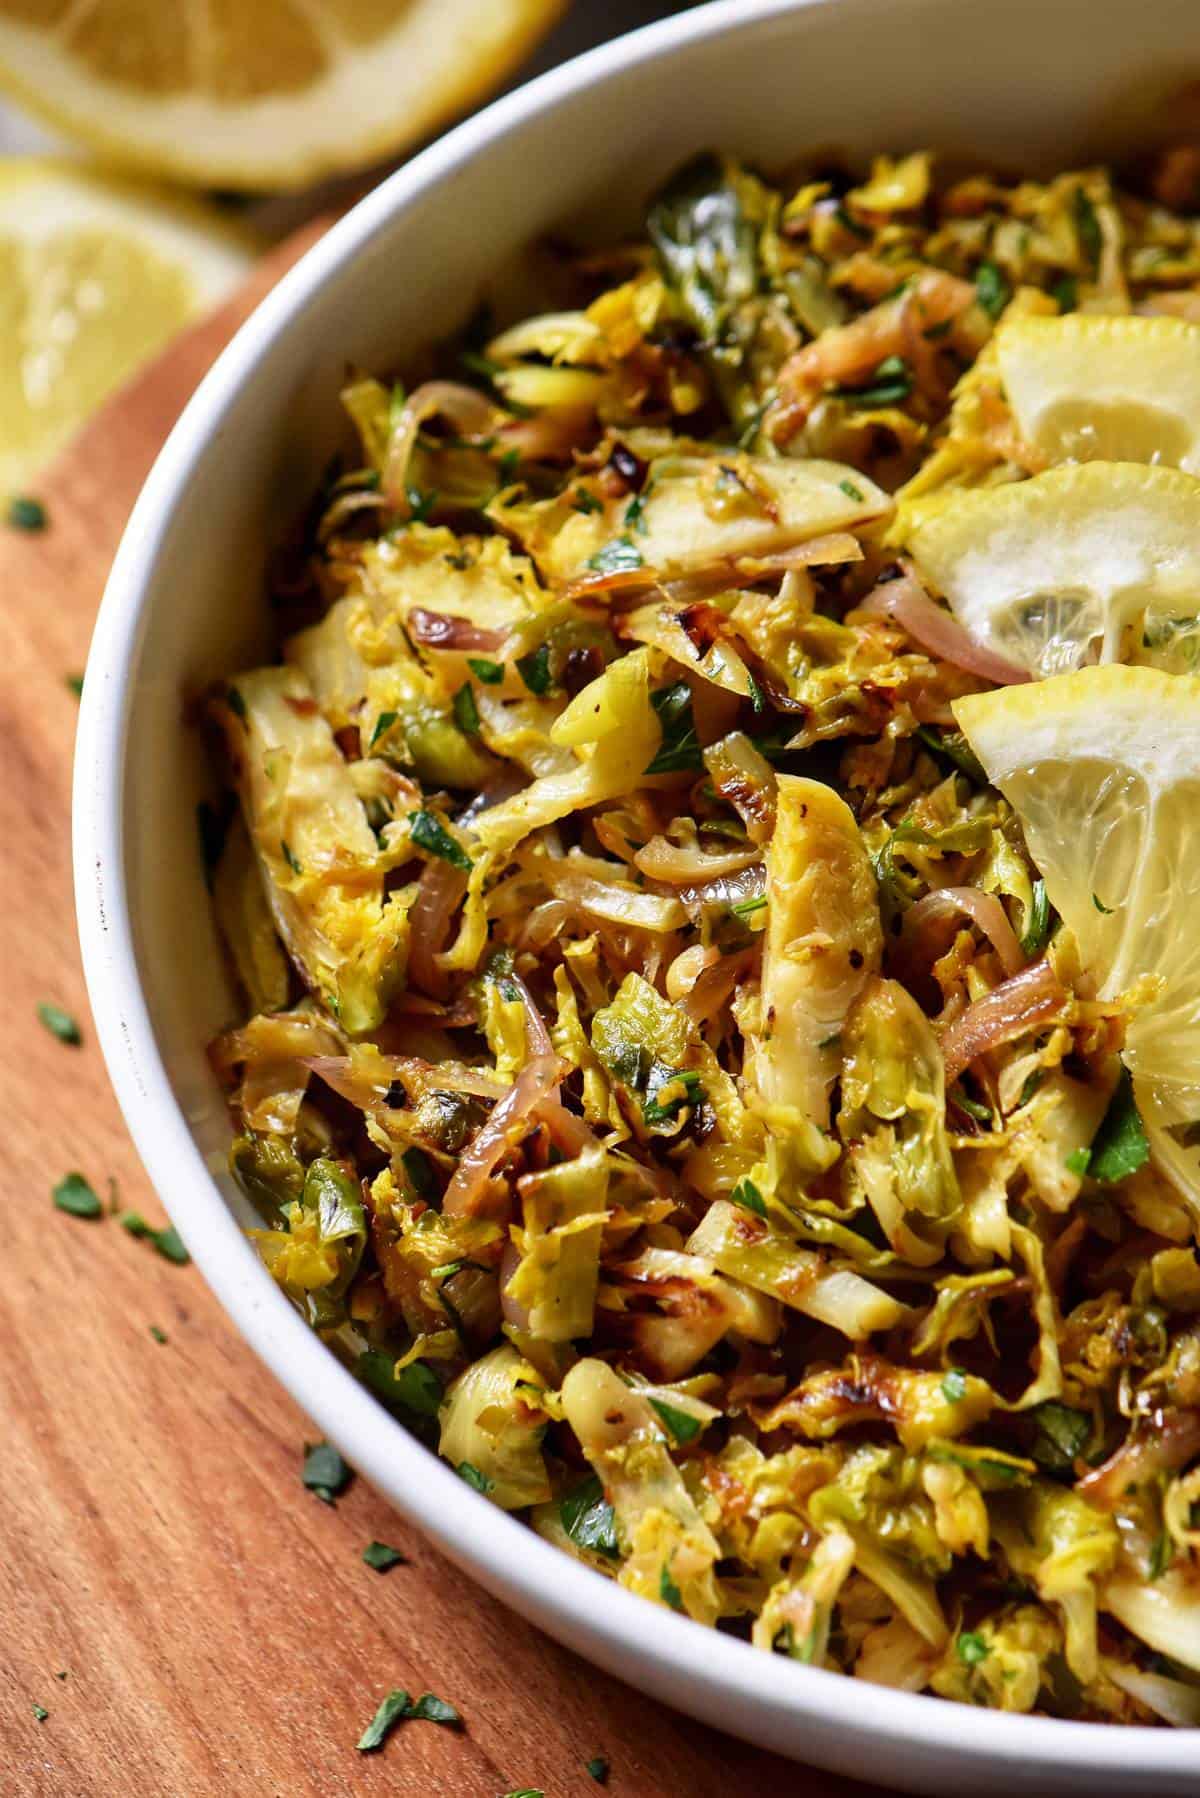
[{"x": 192, "y": 1619}]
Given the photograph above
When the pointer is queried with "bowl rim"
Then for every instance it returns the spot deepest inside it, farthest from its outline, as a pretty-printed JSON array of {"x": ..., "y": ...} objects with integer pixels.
[{"x": 537, "y": 1579}]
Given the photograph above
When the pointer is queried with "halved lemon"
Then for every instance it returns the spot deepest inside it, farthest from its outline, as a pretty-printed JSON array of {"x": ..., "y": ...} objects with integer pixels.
[
  {"x": 1094, "y": 387},
  {"x": 96, "y": 274},
  {"x": 1095, "y": 562},
  {"x": 1103, "y": 768},
  {"x": 267, "y": 95}
]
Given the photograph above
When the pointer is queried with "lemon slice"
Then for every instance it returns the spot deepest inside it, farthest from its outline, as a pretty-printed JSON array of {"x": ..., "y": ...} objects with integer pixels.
[
  {"x": 95, "y": 276},
  {"x": 1103, "y": 768},
  {"x": 1093, "y": 387},
  {"x": 1097, "y": 562},
  {"x": 268, "y": 95}
]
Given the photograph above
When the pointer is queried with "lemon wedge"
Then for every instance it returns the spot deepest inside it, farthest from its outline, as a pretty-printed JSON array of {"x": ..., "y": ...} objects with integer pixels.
[
  {"x": 96, "y": 274},
  {"x": 1095, "y": 387},
  {"x": 1103, "y": 768},
  {"x": 1094, "y": 562},
  {"x": 269, "y": 95}
]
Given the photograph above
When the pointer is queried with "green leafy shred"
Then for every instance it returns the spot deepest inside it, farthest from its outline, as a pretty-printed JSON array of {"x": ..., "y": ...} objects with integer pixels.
[
  {"x": 1061, "y": 1435},
  {"x": 1037, "y": 931},
  {"x": 466, "y": 712},
  {"x": 467, "y": 1471},
  {"x": 597, "y": 1768},
  {"x": 167, "y": 1242},
  {"x": 681, "y": 1424},
  {"x": 26, "y": 514},
  {"x": 392, "y": 1710},
  {"x": 971, "y": 1647},
  {"x": 534, "y": 669},
  {"x": 588, "y": 1519},
  {"x": 620, "y": 555},
  {"x": 489, "y": 672},
  {"x": 747, "y": 1195},
  {"x": 1119, "y": 1147},
  {"x": 992, "y": 288},
  {"x": 431, "y": 835},
  {"x": 680, "y": 751}
]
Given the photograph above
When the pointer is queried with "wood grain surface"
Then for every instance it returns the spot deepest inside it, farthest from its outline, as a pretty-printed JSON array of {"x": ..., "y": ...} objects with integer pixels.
[{"x": 193, "y": 1620}]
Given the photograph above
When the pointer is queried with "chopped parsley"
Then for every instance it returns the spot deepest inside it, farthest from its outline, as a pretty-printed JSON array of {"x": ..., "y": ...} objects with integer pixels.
[
  {"x": 40, "y": 1712},
  {"x": 325, "y": 1472},
  {"x": 168, "y": 1243},
  {"x": 289, "y": 857},
  {"x": 158, "y": 1335},
  {"x": 679, "y": 752},
  {"x": 431, "y": 1709},
  {"x": 682, "y": 1426},
  {"x": 583, "y": 501},
  {"x": 620, "y": 555},
  {"x": 1161, "y": 1555},
  {"x": 851, "y": 491},
  {"x": 420, "y": 505},
  {"x": 971, "y": 1648},
  {"x": 415, "y": 1388},
  {"x": 74, "y": 1196},
  {"x": 1119, "y": 1146},
  {"x": 756, "y": 693},
  {"x": 1087, "y": 227},
  {"x": 466, "y": 712},
  {"x": 381, "y": 1558},
  {"x": 747, "y": 1195},
  {"x": 1037, "y": 930},
  {"x": 588, "y": 1518},
  {"x": 683, "y": 1087},
  {"x": 430, "y": 834},
  {"x": 635, "y": 515},
  {"x": 954, "y": 1386},
  {"x": 59, "y": 1023},
  {"x": 668, "y": 1591},
  {"x": 1061, "y": 1435},
  {"x": 954, "y": 746},
  {"x": 26, "y": 514},
  {"x": 490, "y": 673},
  {"x": 394, "y": 1709},
  {"x": 419, "y": 1169},
  {"x": 597, "y": 1769},
  {"x": 890, "y": 385},
  {"x": 992, "y": 289},
  {"x": 383, "y": 725},
  {"x": 1107, "y": 910},
  {"x": 74, "y": 684},
  {"x": 1077, "y": 1161},
  {"x": 466, "y": 1470},
  {"x": 534, "y": 669},
  {"x": 746, "y": 908}
]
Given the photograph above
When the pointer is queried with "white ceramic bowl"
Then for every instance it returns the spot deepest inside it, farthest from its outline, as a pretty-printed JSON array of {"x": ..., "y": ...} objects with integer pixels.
[{"x": 1030, "y": 81}]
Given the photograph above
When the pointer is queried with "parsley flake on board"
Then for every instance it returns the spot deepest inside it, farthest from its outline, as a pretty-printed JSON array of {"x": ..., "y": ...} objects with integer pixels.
[
  {"x": 597, "y": 1769},
  {"x": 324, "y": 1471},
  {"x": 158, "y": 1335},
  {"x": 168, "y": 1243},
  {"x": 26, "y": 514},
  {"x": 74, "y": 684},
  {"x": 59, "y": 1023},
  {"x": 398, "y": 1707},
  {"x": 40, "y": 1712},
  {"x": 74, "y": 1196},
  {"x": 392, "y": 1710},
  {"x": 381, "y": 1558}
]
